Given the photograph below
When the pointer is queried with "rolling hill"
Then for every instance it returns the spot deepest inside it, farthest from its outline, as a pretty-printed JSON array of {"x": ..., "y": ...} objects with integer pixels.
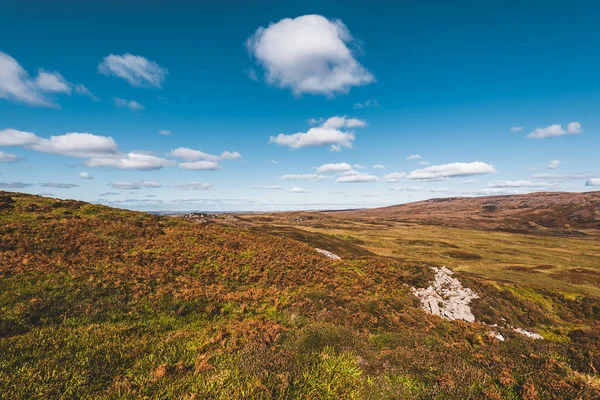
[
  {"x": 552, "y": 213},
  {"x": 98, "y": 302}
]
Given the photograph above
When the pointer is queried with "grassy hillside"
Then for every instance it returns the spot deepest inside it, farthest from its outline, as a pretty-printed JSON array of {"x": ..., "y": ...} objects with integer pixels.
[{"x": 105, "y": 303}]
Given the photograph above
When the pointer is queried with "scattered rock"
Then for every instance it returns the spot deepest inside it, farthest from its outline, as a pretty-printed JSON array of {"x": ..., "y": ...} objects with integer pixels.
[
  {"x": 529, "y": 334},
  {"x": 328, "y": 254}
]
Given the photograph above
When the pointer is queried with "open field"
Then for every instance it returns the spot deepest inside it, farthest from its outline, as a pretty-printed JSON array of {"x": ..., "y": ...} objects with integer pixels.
[
  {"x": 97, "y": 302},
  {"x": 562, "y": 263}
]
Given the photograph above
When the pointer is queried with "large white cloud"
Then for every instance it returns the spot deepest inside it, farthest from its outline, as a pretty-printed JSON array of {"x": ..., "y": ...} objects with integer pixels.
[
  {"x": 334, "y": 167},
  {"x": 100, "y": 151},
  {"x": 130, "y": 161},
  {"x": 329, "y": 133},
  {"x": 308, "y": 54},
  {"x": 437, "y": 172},
  {"x": 137, "y": 70},
  {"x": 77, "y": 144},
  {"x": 17, "y": 85},
  {"x": 572, "y": 128},
  {"x": 12, "y": 137}
]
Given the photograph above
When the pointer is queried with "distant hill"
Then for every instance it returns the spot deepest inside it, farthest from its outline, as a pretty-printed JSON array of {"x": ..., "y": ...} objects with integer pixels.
[{"x": 562, "y": 213}]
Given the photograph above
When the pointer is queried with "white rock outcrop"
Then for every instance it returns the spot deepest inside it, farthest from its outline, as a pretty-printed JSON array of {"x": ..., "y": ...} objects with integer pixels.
[
  {"x": 328, "y": 254},
  {"x": 447, "y": 297}
]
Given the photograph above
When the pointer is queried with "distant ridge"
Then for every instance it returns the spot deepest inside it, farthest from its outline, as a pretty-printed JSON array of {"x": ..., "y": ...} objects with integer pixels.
[{"x": 545, "y": 212}]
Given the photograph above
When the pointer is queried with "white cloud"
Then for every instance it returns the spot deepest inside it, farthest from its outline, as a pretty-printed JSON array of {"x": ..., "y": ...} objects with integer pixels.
[
  {"x": 494, "y": 191},
  {"x": 516, "y": 129},
  {"x": 164, "y": 132},
  {"x": 203, "y": 165},
  {"x": 561, "y": 177},
  {"x": 192, "y": 155},
  {"x": 424, "y": 163},
  {"x": 393, "y": 177},
  {"x": 439, "y": 190},
  {"x": 378, "y": 166},
  {"x": 194, "y": 186},
  {"x": 134, "y": 185},
  {"x": 553, "y": 164},
  {"x": 14, "y": 185},
  {"x": 308, "y": 54},
  {"x": 414, "y": 157},
  {"x": 129, "y": 104},
  {"x": 131, "y": 161},
  {"x": 355, "y": 177},
  {"x": 267, "y": 187},
  {"x": 101, "y": 151},
  {"x": 573, "y": 128},
  {"x": 59, "y": 185},
  {"x": 17, "y": 85},
  {"x": 358, "y": 166},
  {"x": 273, "y": 162},
  {"x": 408, "y": 188},
  {"x": 12, "y": 137},
  {"x": 85, "y": 175},
  {"x": 298, "y": 190},
  {"x": 8, "y": 157},
  {"x": 593, "y": 182},
  {"x": 52, "y": 82},
  {"x": 230, "y": 155},
  {"x": 83, "y": 91},
  {"x": 371, "y": 103},
  {"x": 312, "y": 177},
  {"x": 334, "y": 167},
  {"x": 468, "y": 181},
  {"x": 437, "y": 172},
  {"x": 518, "y": 184},
  {"x": 136, "y": 70},
  {"x": 329, "y": 133},
  {"x": 77, "y": 144}
]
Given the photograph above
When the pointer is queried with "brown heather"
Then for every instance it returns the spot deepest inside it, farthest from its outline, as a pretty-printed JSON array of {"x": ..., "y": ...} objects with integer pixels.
[{"x": 97, "y": 302}]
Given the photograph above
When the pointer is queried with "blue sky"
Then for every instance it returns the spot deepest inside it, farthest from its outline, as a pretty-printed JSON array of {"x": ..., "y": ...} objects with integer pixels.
[{"x": 360, "y": 85}]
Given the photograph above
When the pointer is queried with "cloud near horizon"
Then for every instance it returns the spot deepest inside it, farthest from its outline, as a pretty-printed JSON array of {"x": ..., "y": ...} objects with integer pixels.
[{"x": 556, "y": 130}]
